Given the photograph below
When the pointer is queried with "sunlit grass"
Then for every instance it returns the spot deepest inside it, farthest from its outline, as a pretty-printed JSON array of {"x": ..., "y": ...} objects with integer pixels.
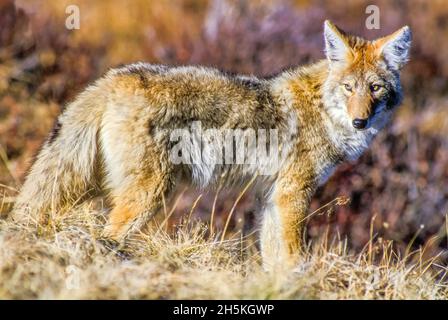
[{"x": 69, "y": 260}]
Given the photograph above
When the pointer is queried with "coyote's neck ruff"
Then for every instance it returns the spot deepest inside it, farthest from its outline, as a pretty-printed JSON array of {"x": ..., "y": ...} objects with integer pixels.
[{"x": 117, "y": 136}]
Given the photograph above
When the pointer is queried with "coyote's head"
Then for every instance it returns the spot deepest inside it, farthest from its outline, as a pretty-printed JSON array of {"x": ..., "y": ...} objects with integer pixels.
[{"x": 363, "y": 83}]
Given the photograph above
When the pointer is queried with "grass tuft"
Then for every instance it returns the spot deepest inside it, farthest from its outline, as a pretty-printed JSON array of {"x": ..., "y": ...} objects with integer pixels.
[{"x": 71, "y": 262}]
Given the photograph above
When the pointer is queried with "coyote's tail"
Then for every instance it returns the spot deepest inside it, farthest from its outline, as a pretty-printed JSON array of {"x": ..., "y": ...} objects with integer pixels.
[{"x": 65, "y": 168}]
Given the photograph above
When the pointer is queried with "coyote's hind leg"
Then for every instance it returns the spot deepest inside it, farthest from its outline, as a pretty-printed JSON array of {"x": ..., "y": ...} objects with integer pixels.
[
  {"x": 134, "y": 204},
  {"x": 137, "y": 169}
]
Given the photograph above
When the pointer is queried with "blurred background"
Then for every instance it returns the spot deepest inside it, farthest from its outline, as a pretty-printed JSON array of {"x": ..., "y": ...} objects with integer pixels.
[{"x": 398, "y": 189}]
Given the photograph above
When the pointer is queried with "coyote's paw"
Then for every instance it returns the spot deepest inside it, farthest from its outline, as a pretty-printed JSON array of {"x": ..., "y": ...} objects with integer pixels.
[{"x": 113, "y": 233}]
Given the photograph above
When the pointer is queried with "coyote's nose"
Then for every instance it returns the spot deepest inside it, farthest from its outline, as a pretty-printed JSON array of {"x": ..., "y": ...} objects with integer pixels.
[{"x": 359, "y": 123}]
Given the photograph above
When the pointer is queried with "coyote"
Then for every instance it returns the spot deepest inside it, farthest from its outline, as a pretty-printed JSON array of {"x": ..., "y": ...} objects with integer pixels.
[{"x": 115, "y": 136}]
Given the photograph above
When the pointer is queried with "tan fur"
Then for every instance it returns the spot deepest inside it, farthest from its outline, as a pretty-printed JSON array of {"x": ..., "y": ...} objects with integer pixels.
[{"x": 115, "y": 138}]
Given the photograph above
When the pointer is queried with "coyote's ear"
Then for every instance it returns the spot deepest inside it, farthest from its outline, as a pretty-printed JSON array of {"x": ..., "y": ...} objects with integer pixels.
[
  {"x": 395, "y": 48},
  {"x": 337, "y": 48}
]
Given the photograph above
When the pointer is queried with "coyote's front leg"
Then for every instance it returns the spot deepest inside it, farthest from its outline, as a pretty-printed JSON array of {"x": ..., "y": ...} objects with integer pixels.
[{"x": 282, "y": 224}]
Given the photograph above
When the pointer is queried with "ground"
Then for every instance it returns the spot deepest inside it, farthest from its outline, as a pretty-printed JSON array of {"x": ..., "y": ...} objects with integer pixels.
[{"x": 67, "y": 259}]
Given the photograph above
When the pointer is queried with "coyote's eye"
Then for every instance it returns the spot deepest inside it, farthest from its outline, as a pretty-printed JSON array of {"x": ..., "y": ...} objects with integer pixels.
[
  {"x": 347, "y": 87},
  {"x": 375, "y": 87}
]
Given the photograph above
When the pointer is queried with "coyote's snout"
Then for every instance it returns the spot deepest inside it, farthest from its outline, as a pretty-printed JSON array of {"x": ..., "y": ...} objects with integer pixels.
[{"x": 115, "y": 137}]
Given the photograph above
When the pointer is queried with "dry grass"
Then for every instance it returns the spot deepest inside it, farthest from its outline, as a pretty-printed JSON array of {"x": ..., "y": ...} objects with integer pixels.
[{"x": 67, "y": 260}]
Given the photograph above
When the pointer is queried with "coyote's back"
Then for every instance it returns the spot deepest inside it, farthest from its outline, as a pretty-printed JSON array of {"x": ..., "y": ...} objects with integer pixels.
[{"x": 115, "y": 136}]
